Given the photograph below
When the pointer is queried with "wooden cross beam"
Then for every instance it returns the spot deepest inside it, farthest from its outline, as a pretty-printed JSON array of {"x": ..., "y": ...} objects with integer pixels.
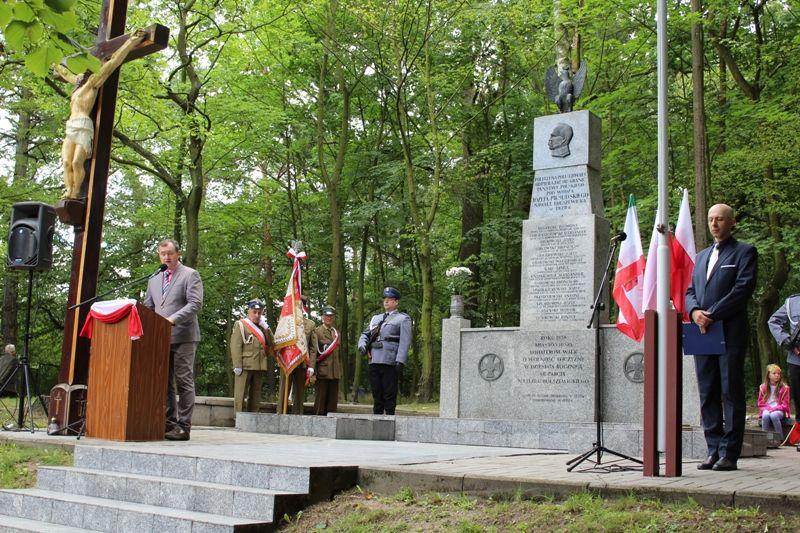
[{"x": 86, "y": 213}]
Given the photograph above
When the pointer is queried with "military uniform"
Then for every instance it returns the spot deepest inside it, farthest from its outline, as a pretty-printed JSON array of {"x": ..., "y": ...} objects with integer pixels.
[
  {"x": 388, "y": 354},
  {"x": 249, "y": 355},
  {"x": 782, "y": 324},
  {"x": 328, "y": 370},
  {"x": 298, "y": 375}
]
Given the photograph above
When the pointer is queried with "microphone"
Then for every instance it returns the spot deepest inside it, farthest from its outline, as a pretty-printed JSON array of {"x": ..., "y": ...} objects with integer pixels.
[
  {"x": 619, "y": 237},
  {"x": 158, "y": 271}
]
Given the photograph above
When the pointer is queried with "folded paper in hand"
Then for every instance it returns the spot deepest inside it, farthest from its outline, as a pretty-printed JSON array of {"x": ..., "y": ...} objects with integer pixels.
[{"x": 712, "y": 342}]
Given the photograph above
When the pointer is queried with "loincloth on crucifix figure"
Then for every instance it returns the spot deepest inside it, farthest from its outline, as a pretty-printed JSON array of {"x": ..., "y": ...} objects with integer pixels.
[{"x": 79, "y": 132}]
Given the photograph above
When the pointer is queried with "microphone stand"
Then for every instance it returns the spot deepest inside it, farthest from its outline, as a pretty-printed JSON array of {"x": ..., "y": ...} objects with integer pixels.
[
  {"x": 94, "y": 298},
  {"x": 597, "y": 446}
]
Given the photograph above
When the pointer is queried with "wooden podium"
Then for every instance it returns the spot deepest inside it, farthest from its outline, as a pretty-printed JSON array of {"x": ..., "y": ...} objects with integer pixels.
[{"x": 127, "y": 394}]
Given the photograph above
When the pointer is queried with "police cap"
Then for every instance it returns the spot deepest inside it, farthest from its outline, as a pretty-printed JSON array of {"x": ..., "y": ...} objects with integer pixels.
[
  {"x": 255, "y": 304},
  {"x": 391, "y": 292},
  {"x": 328, "y": 311}
]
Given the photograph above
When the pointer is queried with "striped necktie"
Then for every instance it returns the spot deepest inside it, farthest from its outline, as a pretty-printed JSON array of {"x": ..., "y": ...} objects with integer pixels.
[{"x": 165, "y": 284}]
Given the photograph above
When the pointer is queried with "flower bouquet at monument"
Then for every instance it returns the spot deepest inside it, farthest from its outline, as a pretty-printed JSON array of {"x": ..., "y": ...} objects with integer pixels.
[{"x": 459, "y": 281}]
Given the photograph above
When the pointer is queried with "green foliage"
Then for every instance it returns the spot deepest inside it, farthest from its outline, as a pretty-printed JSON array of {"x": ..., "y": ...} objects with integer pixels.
[
  {"x": 39, "y": 32},
  {"x": 18, "y": 464}
]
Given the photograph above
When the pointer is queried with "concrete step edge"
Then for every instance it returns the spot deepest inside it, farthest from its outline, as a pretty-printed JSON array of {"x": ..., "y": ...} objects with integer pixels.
[
  {"x": 171, "y": 480},
  {"x": 291, "y": 478},
  {"x": 193, "y": 516},
  {"x": 14, "y": 524}
]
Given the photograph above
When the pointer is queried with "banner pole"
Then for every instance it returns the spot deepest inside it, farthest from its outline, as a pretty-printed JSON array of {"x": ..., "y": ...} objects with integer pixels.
[{"x": 287, "y": 384}]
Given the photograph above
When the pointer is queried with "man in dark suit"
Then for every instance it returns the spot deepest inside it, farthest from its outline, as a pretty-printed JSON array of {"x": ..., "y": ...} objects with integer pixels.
[
  {"x": 177, "y": 295},
  {"x": 723, "y": 281}
]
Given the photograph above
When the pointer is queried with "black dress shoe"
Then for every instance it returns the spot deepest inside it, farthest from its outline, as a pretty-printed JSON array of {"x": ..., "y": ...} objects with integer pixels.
[
  {"x": 177, "y": 433},
  {"x": 708, "y": 463},
  {"x": 724, "y": 465}
]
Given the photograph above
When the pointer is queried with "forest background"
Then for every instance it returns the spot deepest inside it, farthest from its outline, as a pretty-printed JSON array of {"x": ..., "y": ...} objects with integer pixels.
[{"x": 393, "y": 139}]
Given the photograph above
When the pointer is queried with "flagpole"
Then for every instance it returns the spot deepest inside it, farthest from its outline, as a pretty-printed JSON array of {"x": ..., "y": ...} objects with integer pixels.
[{"x": 662, "y": 284}]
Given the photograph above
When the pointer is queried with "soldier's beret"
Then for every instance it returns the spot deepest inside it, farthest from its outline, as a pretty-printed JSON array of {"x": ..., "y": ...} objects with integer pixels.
[
  {"x": 391, "y": 292},
  {"x": 329, "y": 311},
  {"x": 255, "y": 304}
]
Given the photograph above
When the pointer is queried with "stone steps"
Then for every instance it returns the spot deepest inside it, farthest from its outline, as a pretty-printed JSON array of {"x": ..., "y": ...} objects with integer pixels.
[
  {"x": 114, "y": 488},
  {"x": 214, "y": 498},
  {"x": 15, "y": 524},
  {"x": 316, "y": 482},
  {"x": 102, "y": 514}
]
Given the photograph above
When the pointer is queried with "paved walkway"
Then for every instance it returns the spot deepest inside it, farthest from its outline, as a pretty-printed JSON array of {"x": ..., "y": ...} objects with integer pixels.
[{"x": 772, "y": 482}]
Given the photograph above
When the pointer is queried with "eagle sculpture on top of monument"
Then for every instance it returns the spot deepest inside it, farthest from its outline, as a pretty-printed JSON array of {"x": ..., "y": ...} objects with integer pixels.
[{"x": 565, "y": 89}]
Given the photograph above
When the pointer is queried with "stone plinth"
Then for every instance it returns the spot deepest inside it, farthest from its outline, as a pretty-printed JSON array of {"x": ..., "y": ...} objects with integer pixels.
[
  {"x": 562, "y": 264},
  {"x": 514, "y": 374}
]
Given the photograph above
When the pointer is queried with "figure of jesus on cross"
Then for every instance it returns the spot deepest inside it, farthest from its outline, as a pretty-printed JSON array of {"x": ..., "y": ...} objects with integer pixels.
[{"x": 79, "y": 135}]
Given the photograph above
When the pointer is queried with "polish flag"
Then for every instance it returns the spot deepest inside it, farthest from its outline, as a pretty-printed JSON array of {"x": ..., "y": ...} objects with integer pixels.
[
  {"x": 628, "y": 281},
  {"x": 651, "y": 271},
  {"x": 683, "y": 257}
]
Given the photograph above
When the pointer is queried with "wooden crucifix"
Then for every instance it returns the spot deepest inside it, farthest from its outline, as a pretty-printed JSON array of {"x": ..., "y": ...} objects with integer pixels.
[{"x": 85, "y": 213}]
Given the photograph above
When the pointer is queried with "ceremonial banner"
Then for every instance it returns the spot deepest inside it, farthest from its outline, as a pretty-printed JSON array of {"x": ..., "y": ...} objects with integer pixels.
[
  {"x": 290, "y": 339},
  {"x": 112, "y": 312},
  {"x": 628, "y": 281}
]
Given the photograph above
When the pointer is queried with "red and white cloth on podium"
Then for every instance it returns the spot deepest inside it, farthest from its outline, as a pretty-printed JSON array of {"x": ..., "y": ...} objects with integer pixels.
[{"x": 111, "y": 312}]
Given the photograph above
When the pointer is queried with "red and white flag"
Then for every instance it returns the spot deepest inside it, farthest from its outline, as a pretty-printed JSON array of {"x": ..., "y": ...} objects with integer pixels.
[
  {"x": 290, "y": 338},
  {"x": 629, "y": 279},
  {"x": 683, "y": 257},
  {"x": 651, "y": 271}
]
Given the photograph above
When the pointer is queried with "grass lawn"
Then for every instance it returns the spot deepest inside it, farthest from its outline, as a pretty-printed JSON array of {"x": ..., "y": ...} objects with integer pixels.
[
  {"x": 18, "y": 463},
  {"x": 358, "y": 511},
  {"x": 8, "y": 412}
]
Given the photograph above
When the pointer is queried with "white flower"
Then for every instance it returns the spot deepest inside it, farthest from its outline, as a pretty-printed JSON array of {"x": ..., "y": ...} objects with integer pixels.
[
  {"x": 458, "y": 271},
  {"x": 458, "y": 279}
]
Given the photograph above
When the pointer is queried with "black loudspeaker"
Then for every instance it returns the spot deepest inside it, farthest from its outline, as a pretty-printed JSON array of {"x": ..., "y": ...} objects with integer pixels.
[{"x": 30, "y": 236}]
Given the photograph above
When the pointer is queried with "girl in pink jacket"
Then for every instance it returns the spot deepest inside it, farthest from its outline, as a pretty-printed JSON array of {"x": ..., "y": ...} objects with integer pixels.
[{"x": 773, "y": 400}]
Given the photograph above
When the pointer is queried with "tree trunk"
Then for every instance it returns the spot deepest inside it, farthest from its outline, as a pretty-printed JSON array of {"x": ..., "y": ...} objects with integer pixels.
[
  {"x": 192, "y": 208},
  {"x": 10, "y": 329},
  {"x": 699, "y": 128},
  {"x": 472, "y": 202},
  {"x": 360, "y": 319},
  {"x": 561, "y": 37},
  {"x": 269, "y": 276},
  {"x": 770, "y": 297}
]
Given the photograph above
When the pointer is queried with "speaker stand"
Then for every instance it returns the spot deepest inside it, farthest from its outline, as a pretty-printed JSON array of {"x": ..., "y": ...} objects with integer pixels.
[{"x": 23, "y": 366}]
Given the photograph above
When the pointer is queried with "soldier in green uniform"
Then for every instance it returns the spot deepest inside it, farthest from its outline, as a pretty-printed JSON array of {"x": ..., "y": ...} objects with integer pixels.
[
  {"x": 329, "y": 368},
  {"x": 301, "y": 373},
  {"x": 251, "y": 347}
]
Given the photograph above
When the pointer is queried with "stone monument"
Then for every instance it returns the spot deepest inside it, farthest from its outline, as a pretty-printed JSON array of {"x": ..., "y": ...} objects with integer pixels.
[{"x": 544, "y": 370}]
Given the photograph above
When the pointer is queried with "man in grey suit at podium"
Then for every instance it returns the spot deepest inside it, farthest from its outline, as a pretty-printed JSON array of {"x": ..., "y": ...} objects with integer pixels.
[{"x": 177, "y": 295}]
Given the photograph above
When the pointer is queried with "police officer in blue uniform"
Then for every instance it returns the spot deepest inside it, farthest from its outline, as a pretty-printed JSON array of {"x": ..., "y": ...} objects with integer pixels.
[
  {"x": 386, "y": 344},
  {"x": 783, "y": 324}
]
